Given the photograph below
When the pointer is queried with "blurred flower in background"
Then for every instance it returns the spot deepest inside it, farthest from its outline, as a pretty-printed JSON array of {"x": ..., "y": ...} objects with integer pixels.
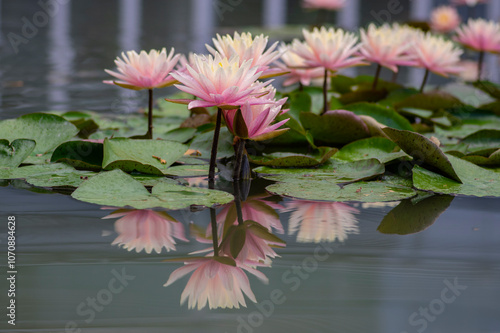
[
  {"x": 470, "y": 3},
  {"x": 324, "y": 4},
  {"x": 146, "y": 229},
  {"x": 295, "y": 65},
  {"x": 480, "y": 35},
  {"x": 318, "y": 221},
  {"x": 444, "y": 19}
]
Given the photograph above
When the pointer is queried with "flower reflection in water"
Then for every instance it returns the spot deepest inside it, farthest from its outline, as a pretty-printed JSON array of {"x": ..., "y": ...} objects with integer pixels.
[
  {"x": 145, "y": 229},
  {"x": 318, "y": 221}
]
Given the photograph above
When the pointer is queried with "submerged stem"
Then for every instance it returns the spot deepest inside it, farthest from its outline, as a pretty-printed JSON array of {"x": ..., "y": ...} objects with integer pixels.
[
  {"x": 149, "y": 134},
  {"x": 426, "y": 76},
  {"x": 480, "y": 65},
  {"x": 237, "y": 201},
  {"x": 215, "y": 238},
  {"x": 325, "y": 92},
  {"x": 215, "y": 143},
  {"x": 375, "y": 80}
]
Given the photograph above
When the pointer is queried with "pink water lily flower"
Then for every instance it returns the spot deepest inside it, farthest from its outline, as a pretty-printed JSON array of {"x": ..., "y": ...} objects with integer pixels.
[
  {"x": 292, "y": 63},
  {"x": 216, "y": 281},
  {"x": 444, "y": 19},
  {"x": 247, "y": 48},
  {"x": 218, "y": 81},
  {"x": 385, "y": 46},
  {"x": 144, "y": 70},
  {"x": 258, "y": 118},
  {"x": 318, "y": 221},
  {"x": 324, "y": 4},
  {"x": 145, "y": 229},
  {"x": 480, "y": 35},
  {"x": 436, "y": 54},
  {"x": 332, "y": 49}
]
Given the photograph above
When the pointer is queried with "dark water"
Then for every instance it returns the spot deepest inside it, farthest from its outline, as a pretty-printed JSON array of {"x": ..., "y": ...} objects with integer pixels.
[{"x": 369, "y": 282}]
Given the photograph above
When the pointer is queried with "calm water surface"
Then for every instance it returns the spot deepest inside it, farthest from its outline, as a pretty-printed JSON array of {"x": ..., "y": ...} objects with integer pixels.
[{"x": 445, "y": 278}]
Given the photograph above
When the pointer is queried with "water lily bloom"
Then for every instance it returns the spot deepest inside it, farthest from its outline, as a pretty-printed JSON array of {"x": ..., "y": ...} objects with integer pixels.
[
  {"x": 470, "y": 3},
  {"x": 480, "y": 35},
  {"x": 218, "y": 81},
  {"x": 332, "y": 49},
  {"x": 444, "y": 19},
  {"x": 292, "y": 63},
  {"x": 216, "y": 281},
  {"x": 247, "y": 48},
  {"x": 258, "y": 118},
  {"x": 385, "y": 46},
  {"x": 144, "y": 70},
  {"x": 469, "y": 70},
  {"x": 317, "y": 221},
  {"x": 145, "y": 229},
  {"x": 324, "y": 4},
  {"x": 436, "y": 54}
]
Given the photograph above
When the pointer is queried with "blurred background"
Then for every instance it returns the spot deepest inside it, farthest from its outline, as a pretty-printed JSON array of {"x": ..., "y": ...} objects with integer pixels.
[{"x": 53, "y": 52}]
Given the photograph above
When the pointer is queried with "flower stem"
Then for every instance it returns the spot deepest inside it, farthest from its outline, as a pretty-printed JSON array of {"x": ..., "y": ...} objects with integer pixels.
[
  {"x": 149, "y": 134},
  {"x": 325, "y": 92},
  {"x": 301, "y": 86},
  {"x": 375, "y": 80},
  {"x": 238, "y": 159},
  {"x": 215, "y": 239},
  {"x": 480, "y": 65},
  {"x": 237, "y": 202},
  {"x": 395, "y": 77},
  {"x": 426, "y": 76},
  {"x": 215, "y": 143}
]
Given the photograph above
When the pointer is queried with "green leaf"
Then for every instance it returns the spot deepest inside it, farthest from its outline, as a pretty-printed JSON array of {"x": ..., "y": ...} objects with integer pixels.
[
  {"x": 342, "y": 84},
  {"x": 335, "y": 127},
  {"x": 486, "y": 138},
  {"x": 476, "y": 181},
  {"x": 377, "y": 147},
  {"x": 339, "y": 172},
  {"x": 86, "y": 127},
  {"x": 282, "y": 160},
  {"x": 129, "y": 155},
  {"x": 409, "y": 218},
  {"x": 116, "y": 188},
  {"x": 188, "y": 171},
  {"x": 328, "y": 190},
  {"x": 362, "y": 96},
  {"x": 34, "y": 170},
  {"x": 203, "y": 143},
  {"x": 398, "y": 95},
  {"x": 237, "y": 240},
  {"x": 383, "y": 115},
  {"x": 64, "y": 179},
  {"x": 433, "y": 101},
  {"x": 180, "y": 134},
  {"x": 424, "y": 114},
  {"x": 263, "y": 233},
  {"x": 422, "y": 150},
  {"x": 13, "y": 154},
  {"x": 47, "y": 130},
  {"x": 488, "y": 87},
  {"x": 80, "y": 154}
]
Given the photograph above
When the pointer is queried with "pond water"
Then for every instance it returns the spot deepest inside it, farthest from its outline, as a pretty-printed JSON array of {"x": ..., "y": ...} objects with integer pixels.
[{"x": 345, "y": 268}]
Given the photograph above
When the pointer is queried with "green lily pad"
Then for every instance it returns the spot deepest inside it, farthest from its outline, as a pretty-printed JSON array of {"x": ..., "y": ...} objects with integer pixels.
[
  {"x": 13, "y": 154},
  {"x": 129, "y": 155},
  {"x": 397, "y": 95},
  {"x": 181, "y": 135},
  {"x": 335, "y": 127},
  {"x": 488, "y": 87},
  {"x": 424, "y": 114},
  {"x": 203, "y": 143},
  {"x": 116, "y": 188},
  {"x": 316, "y": 95},
  {"x": 384, "y": 115},
  {"x": 339, "y": 172},
  {"x": 342, "y": 84},
  {"x": 188, "y": 170},
  {"x": 492, "y": 107},
  {"x": 366, "y": 95},
  {"x": 64, "y": 179},
  {"x": 409, "y": 217},
  {"x": 492, "y": 159},
  {"x": 80, "y": 154},
  {"x": 486, "y": 138},
  {"x": 476, "y": 181},
  {"x": 430, "y": 101},
  {"x": 283, "y": 160},
  {"x": 47, "y": 130},
  {"x": 377, "y": 147},
  {"x": 329, "y": 190},
  {"x": 34, "y": 170},
  {"x": 422, "y": 150}
]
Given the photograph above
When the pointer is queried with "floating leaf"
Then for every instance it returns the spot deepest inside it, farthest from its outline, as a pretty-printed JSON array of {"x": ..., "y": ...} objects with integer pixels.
[
  {"x": 476, "y": 181},
  {"x": 486, "y": 138},
  {"x": 488, "y": 87},
  {"x": 335, "y": 127},
  {"x": 422, "y": 150},
  {"x": 116, "y": 188},
  {"x": 188, "y": 170},
  {"x": 180, "y": 134},
  {"x": 409, "y": 217},
  {"x": 283, "y": 160},
  {"x": 363, "y": 96},
  {"x": 380, "y": 148},
  {"x": 384, "y": 115},
  {"x": 397, "y": 95},
  {"x": 80, "y": 154},
  {"x": 47, "y": 130},
  {"x": 430, "y": 101},
  {"x": 34, "y": 170},
  {"x": 203, "y": 143},
  {"x": 340, "y": 172},
  {"x": 425, "y": 114},
  {"x": 13, "y": 154},
  {"x": 492, "y": 159},
  {"x": 329, "y": 190},
  {"x": 67, "y": 179},
  {"x": 146, "y": 156}
]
